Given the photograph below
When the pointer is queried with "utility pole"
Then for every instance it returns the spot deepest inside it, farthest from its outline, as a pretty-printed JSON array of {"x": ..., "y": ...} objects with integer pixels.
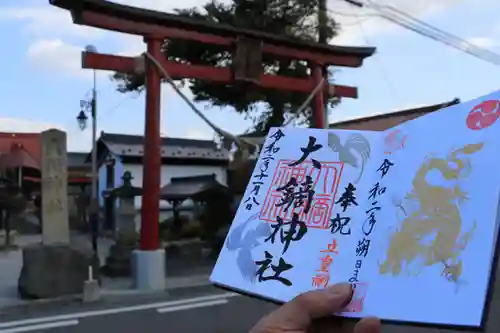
[
  {"x": 322, "y": 22},
  {"x": 94, "y": 203},
  {"x": 322, "y": 38},
  {"x": 82, "y": 121}
]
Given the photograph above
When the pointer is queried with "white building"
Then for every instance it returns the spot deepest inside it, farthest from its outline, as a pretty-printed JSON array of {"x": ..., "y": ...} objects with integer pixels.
[{"x": 118, "y": 153}]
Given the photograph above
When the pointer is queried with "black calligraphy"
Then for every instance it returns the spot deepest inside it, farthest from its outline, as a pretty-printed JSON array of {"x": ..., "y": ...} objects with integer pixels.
[
  {"x": 375, "y": 191},
  {"x": 363, "y": 245},
  {"x": 278, "y": 269},
  {"x": 384, "y": 168},
  {"x": 347, "y": 198},
  {"x": 340, "y": 225},
  {"x": 292, "y": 231},
  {"x": 306, "y": 151},
  {"x": 354, "y": 277},
  {"x": 262, "y": 174},
  {"x": 277, "y": 135},
  {"x": 371, "y": 220},
  {"x": 296, "y": 194}
]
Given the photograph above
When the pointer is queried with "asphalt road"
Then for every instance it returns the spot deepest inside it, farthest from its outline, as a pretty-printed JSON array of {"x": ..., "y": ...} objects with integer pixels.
[{"x": 216, "y": 312}]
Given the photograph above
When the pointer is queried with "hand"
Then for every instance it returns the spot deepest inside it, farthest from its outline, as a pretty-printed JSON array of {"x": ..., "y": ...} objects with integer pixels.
[{"x": 312, "y": 312}]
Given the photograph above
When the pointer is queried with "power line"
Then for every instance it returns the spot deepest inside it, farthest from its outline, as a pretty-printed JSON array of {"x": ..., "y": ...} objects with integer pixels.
[
  {"x": 381, "y": 68},
  {"x": 409, "y": 22},
  {"x": 361, "y": 17},
  {"x": 352, "y": 14},
  {"x": 124, "y": 99},
  {"x": 356, "y": 22}
]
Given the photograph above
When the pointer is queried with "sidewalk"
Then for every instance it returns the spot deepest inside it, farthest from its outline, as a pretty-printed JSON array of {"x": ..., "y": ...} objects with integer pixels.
[
  {"x": 111, "y": 290},
  {"x": 11, "y": 265}
]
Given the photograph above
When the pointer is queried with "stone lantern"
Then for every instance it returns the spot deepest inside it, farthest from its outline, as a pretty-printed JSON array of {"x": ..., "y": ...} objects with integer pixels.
[
  {"x": 118, "y": 262},
  {"x": 126, "y": 212}
]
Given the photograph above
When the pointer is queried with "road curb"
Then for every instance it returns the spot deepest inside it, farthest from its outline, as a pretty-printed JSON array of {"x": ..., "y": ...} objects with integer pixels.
[
  {"x": 109, "y": 297},
  {"x": 27, "y": 304}
]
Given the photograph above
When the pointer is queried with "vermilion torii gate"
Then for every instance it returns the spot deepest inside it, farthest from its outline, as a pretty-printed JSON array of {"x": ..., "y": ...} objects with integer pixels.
[{"x": 248, "y": 46}]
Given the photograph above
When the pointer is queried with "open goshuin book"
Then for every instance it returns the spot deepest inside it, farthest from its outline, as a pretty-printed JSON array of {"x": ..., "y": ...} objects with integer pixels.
[{"x": 408, "y": 216}]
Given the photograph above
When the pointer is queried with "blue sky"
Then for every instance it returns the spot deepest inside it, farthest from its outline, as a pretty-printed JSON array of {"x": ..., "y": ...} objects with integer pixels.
[{"x": 45, "y": 83}]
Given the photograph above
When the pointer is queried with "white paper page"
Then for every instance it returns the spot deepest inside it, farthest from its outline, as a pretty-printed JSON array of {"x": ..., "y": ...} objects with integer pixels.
[
  {"x": 433, "y": 258},
  {"x": 430, "y": 252},
  {"x": 325, "y": 254}
]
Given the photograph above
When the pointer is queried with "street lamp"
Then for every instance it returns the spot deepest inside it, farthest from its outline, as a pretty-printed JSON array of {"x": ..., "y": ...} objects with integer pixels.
[
  {"x": 82, "y": 120},
  {"x": 90, "y": 106}
]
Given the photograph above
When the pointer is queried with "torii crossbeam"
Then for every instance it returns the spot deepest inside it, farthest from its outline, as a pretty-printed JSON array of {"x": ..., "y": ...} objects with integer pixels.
[{"x": 247, "y": 46}]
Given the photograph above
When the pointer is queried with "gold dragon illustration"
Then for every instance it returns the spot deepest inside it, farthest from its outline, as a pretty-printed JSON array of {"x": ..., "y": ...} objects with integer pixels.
[{"x": 431, "y": 234}]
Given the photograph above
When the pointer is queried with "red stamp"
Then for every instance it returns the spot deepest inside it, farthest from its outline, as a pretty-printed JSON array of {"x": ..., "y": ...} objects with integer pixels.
[
  {"x": 358, "y": 298},
  {"x": 483, "y": 115},
  {"x": 324, "y": 182},
  {"x": 321, "y": 280},
  {"x": 394, "y": 141},
  {"x": 322, "y": 277}
]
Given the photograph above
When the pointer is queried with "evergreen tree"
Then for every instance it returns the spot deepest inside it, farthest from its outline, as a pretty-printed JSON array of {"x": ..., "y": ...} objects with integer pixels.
[{"x": 295, "y": 19}]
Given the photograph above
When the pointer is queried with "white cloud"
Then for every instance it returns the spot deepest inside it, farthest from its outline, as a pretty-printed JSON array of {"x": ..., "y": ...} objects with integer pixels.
[
  {"x": 48, "y": 20},
  {"x": 336, "y": 117},
  {"x": 55, "y": 56},
  {"x": 162, "y": 5},
  {"x": 198, "y": 134},
  {"x": 77, "y": 141},
  {"x": 131, "y": 45},
  {"x": 357, "y": 24},
  {"x": 25, "y": 126}
]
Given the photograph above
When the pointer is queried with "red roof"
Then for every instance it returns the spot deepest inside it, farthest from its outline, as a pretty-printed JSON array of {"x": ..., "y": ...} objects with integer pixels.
[{"x": 20, "y": 149}]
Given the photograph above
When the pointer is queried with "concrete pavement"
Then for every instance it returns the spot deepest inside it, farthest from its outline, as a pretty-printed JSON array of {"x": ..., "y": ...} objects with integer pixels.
[
  {"x": 11, "y": 264},
  {"x": 127, "y": 310},
  {"x": 208, "y": 310}
]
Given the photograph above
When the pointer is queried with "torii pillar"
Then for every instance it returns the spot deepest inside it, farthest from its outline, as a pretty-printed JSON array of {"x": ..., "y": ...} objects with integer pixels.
[
  {"x": 149, "y": 262},
  {"x": 247, "y": 47}
]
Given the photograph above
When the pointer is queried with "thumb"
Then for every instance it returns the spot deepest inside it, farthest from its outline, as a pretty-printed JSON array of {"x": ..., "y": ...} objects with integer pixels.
[{"x": 299, "y": 313}]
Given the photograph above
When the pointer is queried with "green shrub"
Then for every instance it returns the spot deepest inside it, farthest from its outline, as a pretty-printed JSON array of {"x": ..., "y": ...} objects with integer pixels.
[
  {"x": 192, "y": 230},
  {"x": 189, "y": 230},
  {"x": 128, "y": 239},
  {"x": 168, "y": 223}
]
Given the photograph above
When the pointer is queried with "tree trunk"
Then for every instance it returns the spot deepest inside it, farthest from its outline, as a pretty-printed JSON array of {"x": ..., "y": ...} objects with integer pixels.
[{"x": 278, "y": 116}]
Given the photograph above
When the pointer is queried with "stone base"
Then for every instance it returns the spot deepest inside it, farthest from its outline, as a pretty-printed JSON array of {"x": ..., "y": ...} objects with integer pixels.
[
  {"x": 13, "y": 238},
  {"x": 91, "y": 291},
  {"x": 148, "y": 269},
  {"x": 54, "y": 270},
  {"x": 118, "y": 262}
]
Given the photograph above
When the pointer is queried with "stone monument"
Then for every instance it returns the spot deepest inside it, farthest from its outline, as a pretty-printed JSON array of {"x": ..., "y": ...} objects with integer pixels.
[
  {"x": 55, "y": 224},
  {"x": 54, "y": 267}
]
